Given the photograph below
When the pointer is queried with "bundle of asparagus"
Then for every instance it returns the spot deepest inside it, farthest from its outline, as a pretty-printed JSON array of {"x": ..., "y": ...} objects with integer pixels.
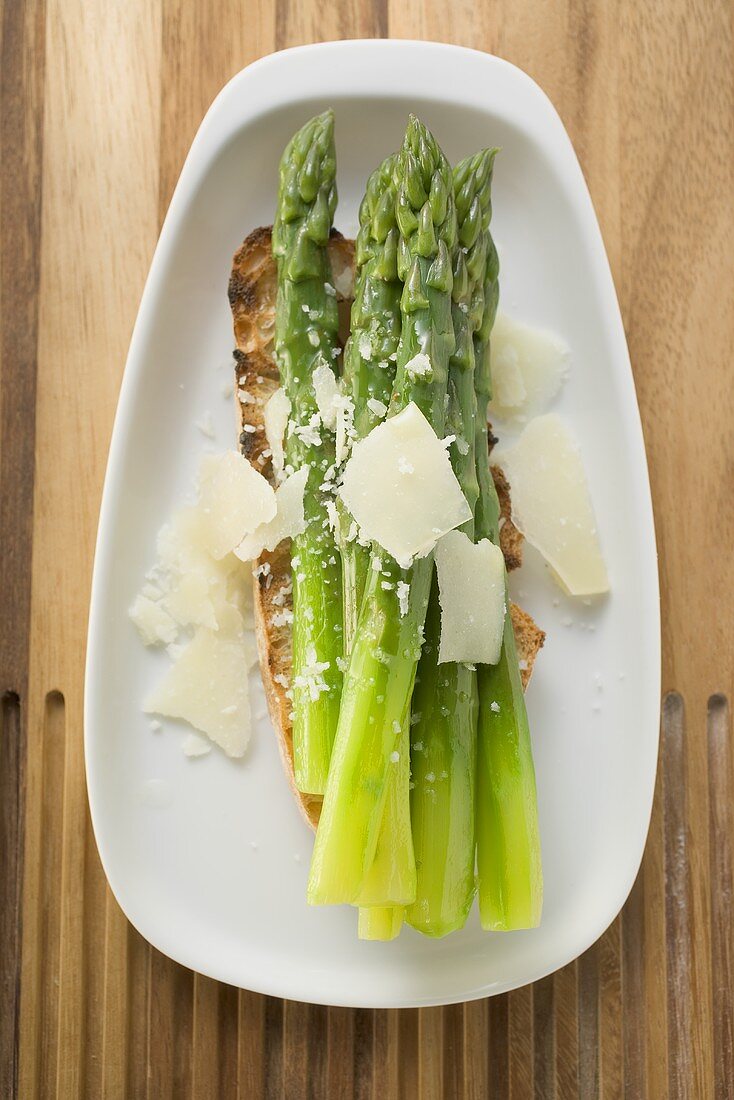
[{"x": 375, "y": 717}]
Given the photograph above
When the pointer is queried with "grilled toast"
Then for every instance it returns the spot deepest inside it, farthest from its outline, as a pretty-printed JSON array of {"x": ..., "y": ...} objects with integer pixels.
[{"x": 252, "y": 293}]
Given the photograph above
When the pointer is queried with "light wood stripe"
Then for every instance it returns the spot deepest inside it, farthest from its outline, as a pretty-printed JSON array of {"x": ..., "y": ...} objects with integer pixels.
[
  {"x": 520, "y": 1042},
  {"x": 476, "y": 1050},
  {"x": 588, "y": 1023},
  {"x": 633, "y": 992},
  {"x": 566, "y": 1033}
]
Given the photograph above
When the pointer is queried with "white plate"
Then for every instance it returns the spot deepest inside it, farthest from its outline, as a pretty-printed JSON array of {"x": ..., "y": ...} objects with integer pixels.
[{"x": 209, "y": 861}]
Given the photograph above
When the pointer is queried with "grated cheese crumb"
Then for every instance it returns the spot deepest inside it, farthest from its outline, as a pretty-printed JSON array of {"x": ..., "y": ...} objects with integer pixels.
[{"x": 403, "y": 593}]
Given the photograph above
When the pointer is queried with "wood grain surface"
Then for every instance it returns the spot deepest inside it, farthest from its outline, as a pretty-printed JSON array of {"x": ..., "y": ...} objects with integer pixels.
[{"x": 99, "y": 102}]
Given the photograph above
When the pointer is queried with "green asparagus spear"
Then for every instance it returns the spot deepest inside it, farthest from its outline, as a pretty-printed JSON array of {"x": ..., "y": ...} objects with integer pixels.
[
  {"x": 390, "y": 878},
  {"x": 379, "y": 681},
  {"x": 371, "y": 352},
  {"x": 305, "y": 337},
  {"x": 369, "y": 373},
  {"x": 444, "y": 723},
  {"x": 508, "y": 842},
  {"x": 380, "y": 923}
]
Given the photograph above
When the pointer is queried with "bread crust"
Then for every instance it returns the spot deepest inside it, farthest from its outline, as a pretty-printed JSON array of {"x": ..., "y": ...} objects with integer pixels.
[{"x": 252, "y": 293}]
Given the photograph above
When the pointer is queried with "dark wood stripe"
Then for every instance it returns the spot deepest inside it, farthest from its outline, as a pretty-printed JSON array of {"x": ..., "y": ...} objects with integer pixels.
[
  {"x": 588, "y": 1008},
  {"x": 317, "y": 1037},
  {"x": 225, "y": 1042},
  {"x": 408, "y": 1053},
  {"x": 21, "y": 131},
  {"x": 633, "y": 992},
  {"x": 677, "y": 902},
  {"x": 453, "y": 1051},
  {"x": 342, "y": 1073},
  {"x": 499, "y": 1047},
  {"x": 544, "y": 1057},
  {"x": 11, "y": 836},
  {"x": 22, "y": 54},
  {"x": 721, "y": 842},
  {"x": 273, "y": 1045}
]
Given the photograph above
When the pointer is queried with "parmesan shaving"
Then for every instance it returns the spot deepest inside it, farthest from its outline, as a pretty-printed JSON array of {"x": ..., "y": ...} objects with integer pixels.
[
  {"x": 275, "y": 415},
  {"x": 404, "y": 513},
  {"x": 344, "y": 280},
  {"x": 207, "y": 688},
  {"x": 206, "y": 685},
  {"x": 155, "y": 625},
  {"x": 234, "y": 500},
  {"x": 289, "y": 519},
  {"x": 377, "y": 407},
  {"x": 420, "y": 366},
  {"x": 529, "y": 366},
  {"x": 327, "y": 390},
  {"x": 552, "y": 507},
  {"x": 344, "y": 428},
  {"x": 194, "y": 745},
  {"x": 471, "y": 587},
  {"x": 189, "y": 601}
]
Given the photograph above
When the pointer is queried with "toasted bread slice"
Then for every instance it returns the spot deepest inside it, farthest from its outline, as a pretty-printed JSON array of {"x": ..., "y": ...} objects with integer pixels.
[{"x": 252, "y": 292}]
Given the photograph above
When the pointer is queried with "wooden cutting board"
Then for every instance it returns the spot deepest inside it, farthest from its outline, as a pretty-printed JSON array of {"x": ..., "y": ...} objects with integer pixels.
[{"x": 99, "y": 104}]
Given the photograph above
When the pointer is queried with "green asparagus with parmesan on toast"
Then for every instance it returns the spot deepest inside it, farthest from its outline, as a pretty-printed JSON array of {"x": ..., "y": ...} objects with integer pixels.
[{"x": 402, "y": 725}]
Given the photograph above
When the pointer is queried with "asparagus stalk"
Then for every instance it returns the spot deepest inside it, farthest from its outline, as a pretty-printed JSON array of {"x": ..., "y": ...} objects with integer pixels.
[
  {"x": 508, "y": 842},
  {"x": 380, "y": 923},
  {"x": 369, "y": 373},
  {"x": 445, "y": 705},
  {"x": 306, "y": 336},
  {"x": 379, "y": 681},
  {"x": 371, "y": 352}
]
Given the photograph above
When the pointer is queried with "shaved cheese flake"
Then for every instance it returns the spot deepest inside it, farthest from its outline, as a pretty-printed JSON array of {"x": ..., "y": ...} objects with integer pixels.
[
  {"x": 420, "y": 366},
  {"x": 155, "y": 625},
  {"x": 551, "y": 504},
  {"x": 405, "y": 515},
  {"x": 343, "y": 279},
  {"x": 529, "y": 366},
  {"x": 289, "y": 519},
  {"x": 194, "y": 585},
  {"x": 403, "y": 592},
  {"x": 377, "y": 408},
  {"x": 471, "y": 587},
  {"x": 327, "y": 390},
  {"x": 189, "y": 601},
  {"x": 234, "y": 500},
  {"x": 275, "y": 415},
  {"x": 344, "y": 428},
  {"x": 207, "y": 688},
  {"x": 194, "y": 745}
]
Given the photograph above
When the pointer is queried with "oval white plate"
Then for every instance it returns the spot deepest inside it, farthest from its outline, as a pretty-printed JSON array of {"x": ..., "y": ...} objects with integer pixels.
[{"x": 209, "y": 858}]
